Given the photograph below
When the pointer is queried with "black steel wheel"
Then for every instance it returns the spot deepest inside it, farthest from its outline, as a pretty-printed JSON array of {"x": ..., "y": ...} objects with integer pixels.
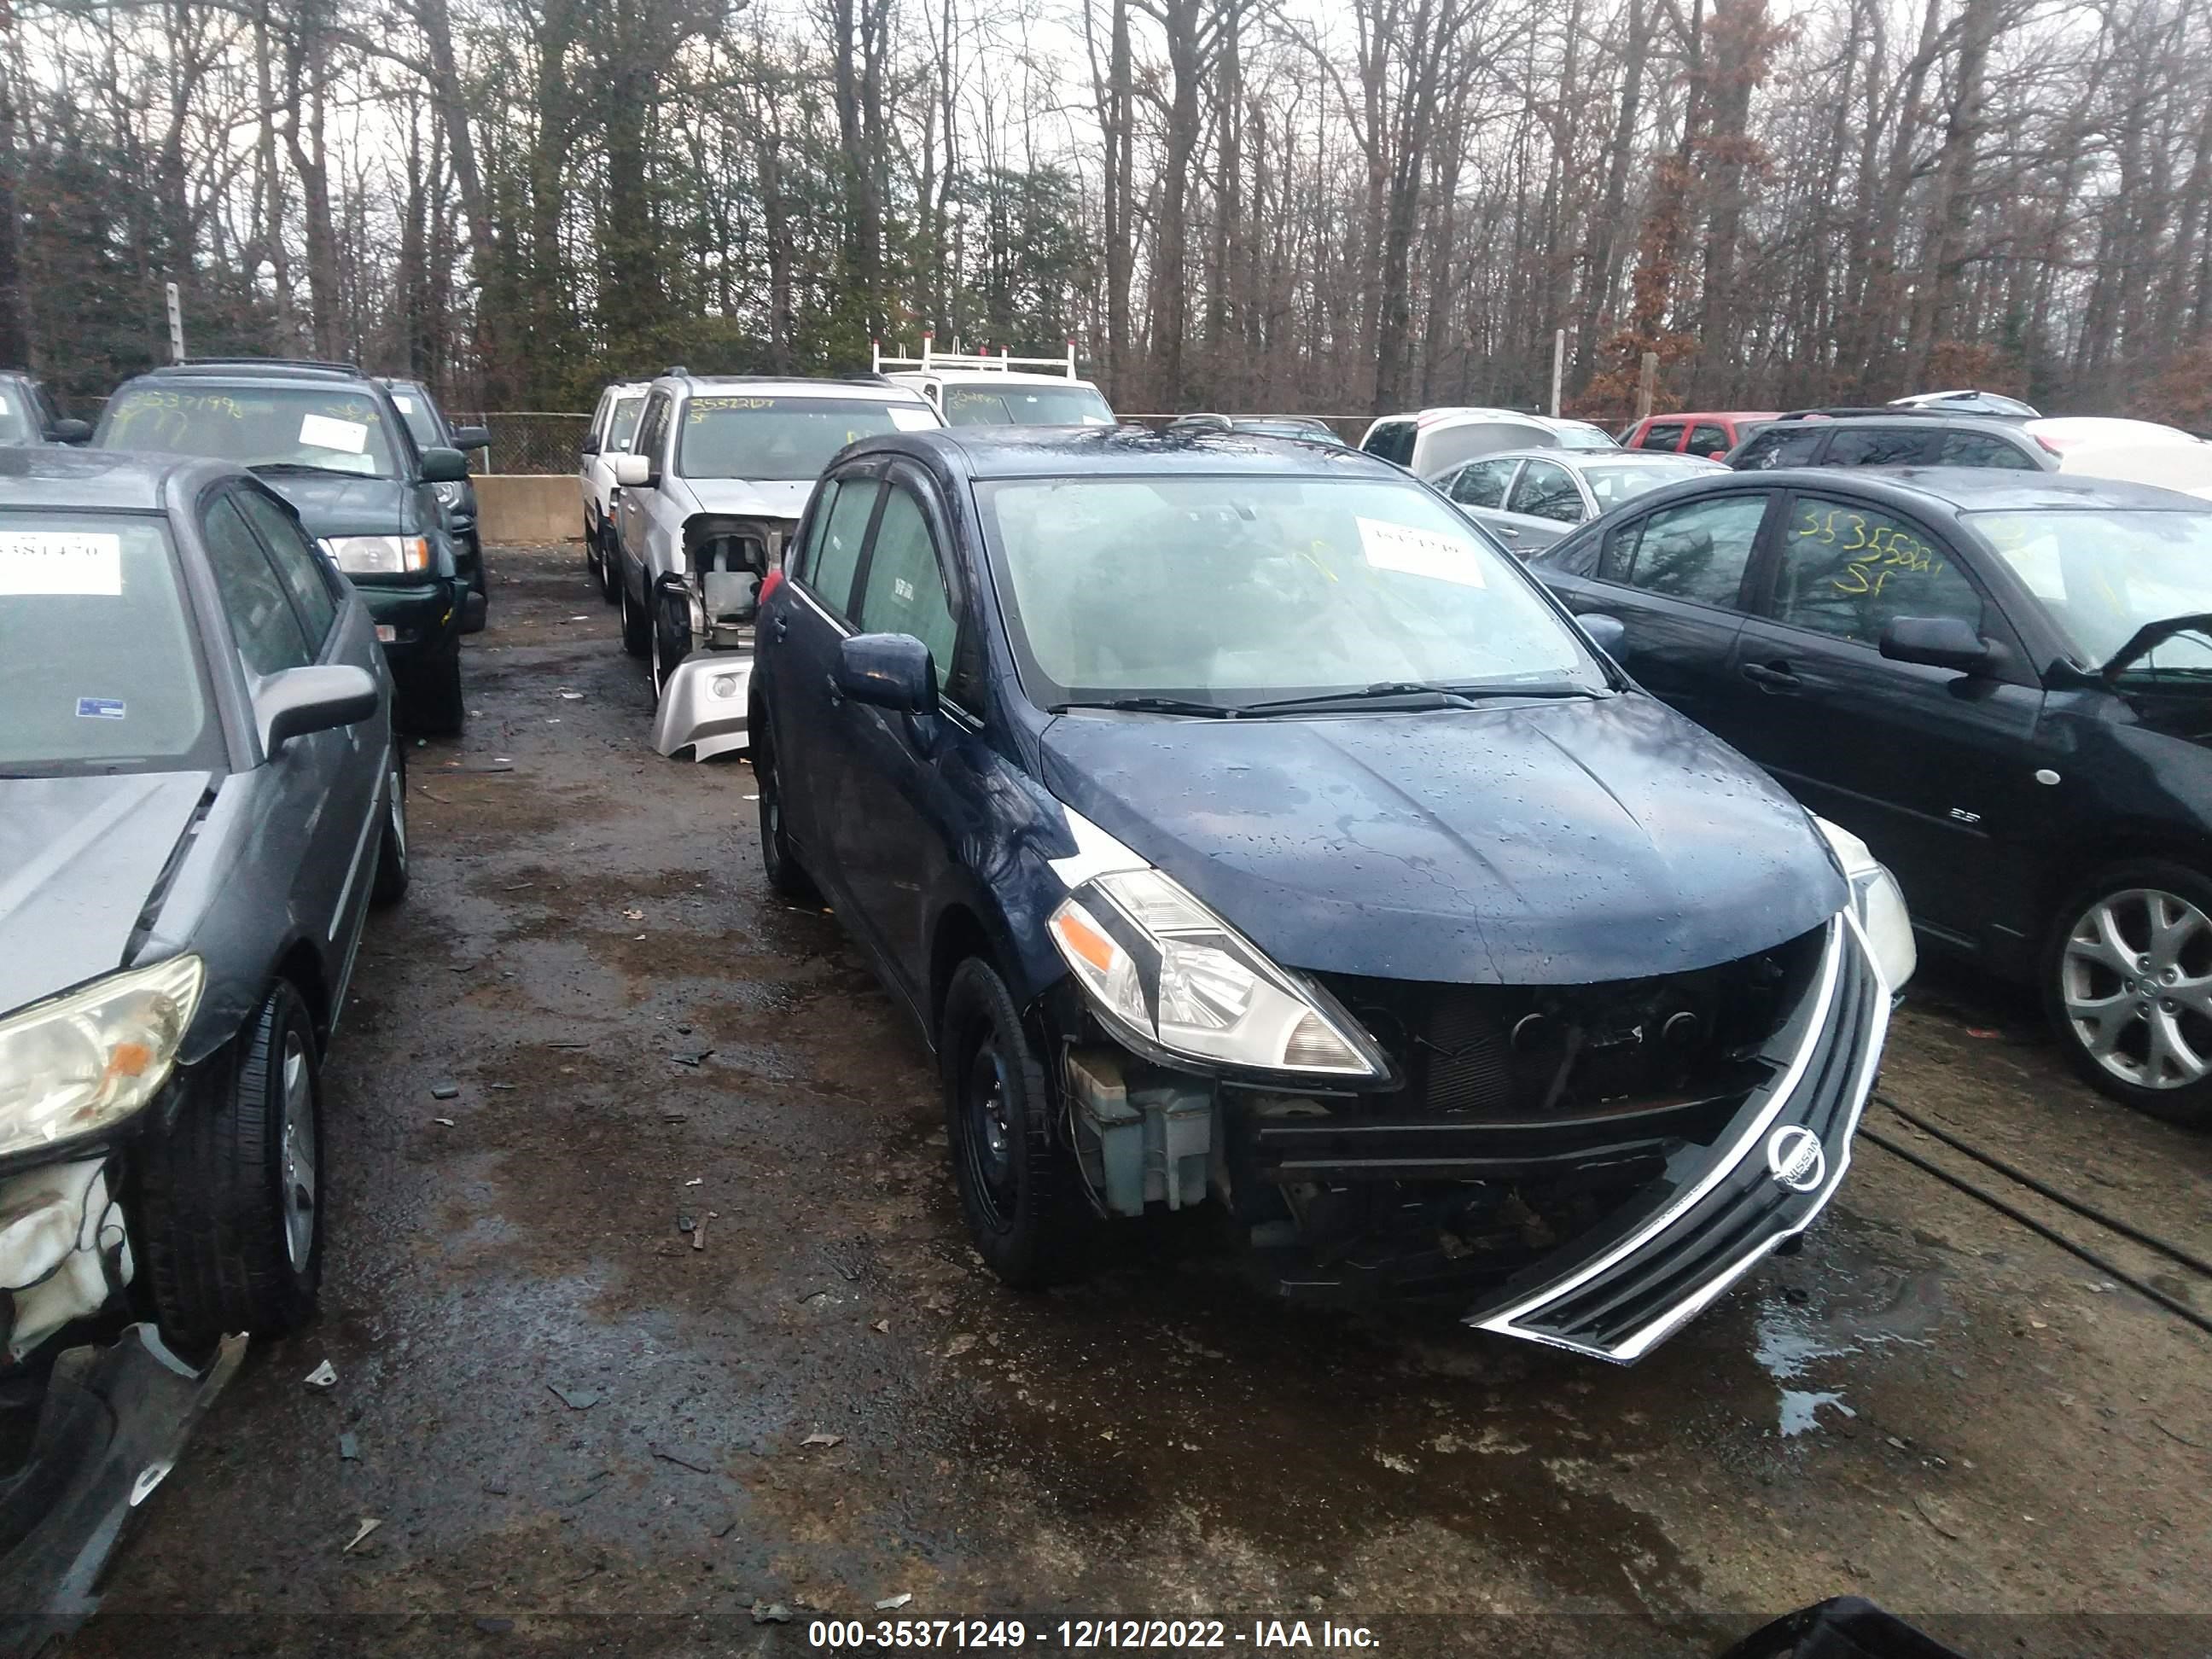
[{"x": 1019, "y": 1192}]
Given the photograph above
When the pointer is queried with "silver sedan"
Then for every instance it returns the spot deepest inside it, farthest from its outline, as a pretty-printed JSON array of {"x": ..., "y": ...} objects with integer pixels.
[{"x": 1529, "y": 498}]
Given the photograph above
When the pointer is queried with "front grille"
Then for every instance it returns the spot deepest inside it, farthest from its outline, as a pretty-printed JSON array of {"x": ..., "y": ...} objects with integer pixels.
[{"x": 1652, "y": 1279}]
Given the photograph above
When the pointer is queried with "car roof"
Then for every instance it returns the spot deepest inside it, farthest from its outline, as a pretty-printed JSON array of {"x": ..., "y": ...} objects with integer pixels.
[
  {"x": 1054, "y": 452},
  {"x": 1712, "y": 414},
  {"x": 274, "y": 370},
  {"x": 1577, "y": 459},
  {"x": 111, "y": 480},
  {"x": 1452, "y": 414},
  {"x": 791, "y": 385},
  {"x": 984, "y": 376},
  {"x": 1971, "y": 489}
]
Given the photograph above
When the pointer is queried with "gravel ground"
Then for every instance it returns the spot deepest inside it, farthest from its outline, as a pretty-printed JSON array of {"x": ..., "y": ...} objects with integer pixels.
[{"x": 822, "y": 1401}]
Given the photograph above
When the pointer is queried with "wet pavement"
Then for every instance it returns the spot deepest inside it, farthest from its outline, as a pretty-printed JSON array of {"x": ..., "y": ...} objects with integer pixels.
[{"x": 675, "y": 1317}]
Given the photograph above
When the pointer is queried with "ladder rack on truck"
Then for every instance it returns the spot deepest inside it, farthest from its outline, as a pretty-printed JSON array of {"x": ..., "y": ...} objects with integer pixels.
[{"x": 933, "y": 360}]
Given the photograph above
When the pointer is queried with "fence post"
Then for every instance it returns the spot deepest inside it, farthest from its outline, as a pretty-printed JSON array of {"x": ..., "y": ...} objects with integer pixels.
[{"x": 1647, "y": 385}]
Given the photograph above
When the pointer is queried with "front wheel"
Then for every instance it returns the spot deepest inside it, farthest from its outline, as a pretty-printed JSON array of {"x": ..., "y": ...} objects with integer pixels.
[
  {"x": 611, "y": 588},
  {"x": 1026, "y": 1215},
  {"x": 2127, "y": 982},
  {"x": 390, "y": 884},
  {"x": 672, "y": 638},
  {"x": 636, "y": 625},
  {"x": 785, "y": 876},
  {"x": 232, "y": 1194}
]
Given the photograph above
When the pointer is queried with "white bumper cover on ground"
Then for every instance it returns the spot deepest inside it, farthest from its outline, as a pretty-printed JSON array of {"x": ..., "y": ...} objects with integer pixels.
[{"x": 702, "y": 706}]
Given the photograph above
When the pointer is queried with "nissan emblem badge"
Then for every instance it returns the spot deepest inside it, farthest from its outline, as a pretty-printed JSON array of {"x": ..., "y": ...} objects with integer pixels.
[{"x": 1795, "y": 1158}]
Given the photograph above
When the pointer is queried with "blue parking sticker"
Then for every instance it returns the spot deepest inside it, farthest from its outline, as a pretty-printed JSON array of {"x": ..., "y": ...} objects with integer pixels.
[{"x": 100, "y": 708}]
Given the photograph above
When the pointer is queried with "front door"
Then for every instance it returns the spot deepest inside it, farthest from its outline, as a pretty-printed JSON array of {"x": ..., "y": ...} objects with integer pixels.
[
  {"x": 1933, "y": 770},
  {"x": 1543, "y": 505}
]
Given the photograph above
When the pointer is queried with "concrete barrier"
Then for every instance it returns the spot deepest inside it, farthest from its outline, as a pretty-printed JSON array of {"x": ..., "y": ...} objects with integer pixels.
[{"x": 519, "y": 507}]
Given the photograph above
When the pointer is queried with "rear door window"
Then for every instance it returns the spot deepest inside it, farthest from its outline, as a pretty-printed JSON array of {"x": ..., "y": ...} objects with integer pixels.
[
  {"x": 1982, "y": 449},
  {"x": 1667, "y": 434},
  {"x": 1699, "y": 550},
  {"x": 1883, "y": 446},
  {"x": 1709, "y": 439},
  {"x": 1779, "y": 446},
  {"x": 1393, "y": 441}
]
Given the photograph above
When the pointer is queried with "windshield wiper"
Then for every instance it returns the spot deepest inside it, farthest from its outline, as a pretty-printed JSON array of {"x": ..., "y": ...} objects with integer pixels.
[
  {"x": 305, "y": 467},
  {"x": 2149, "y": 637},
  {"x": 1442, "y": 693},
  {"x": 1153, "y": 706}
]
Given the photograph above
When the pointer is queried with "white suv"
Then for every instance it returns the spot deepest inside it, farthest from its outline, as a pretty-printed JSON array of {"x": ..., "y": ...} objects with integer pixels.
[
  {"x": 976, "y": 389},
  {"x": 613, "y": 422},
  {"x": 1429, "y": 440},
  {"x": 712, "y": 485}
]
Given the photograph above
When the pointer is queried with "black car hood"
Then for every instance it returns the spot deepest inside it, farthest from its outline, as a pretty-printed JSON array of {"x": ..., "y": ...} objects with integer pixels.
[
  {"x": 79, "y": 859},
  {"x": 330, "y": 504},
  {"x": 1554, "y": 843}
]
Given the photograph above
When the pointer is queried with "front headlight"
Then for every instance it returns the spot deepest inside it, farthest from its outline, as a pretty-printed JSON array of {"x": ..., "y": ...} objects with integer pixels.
[
  {"x": 379, "y": 555},
  {"x": 86, "y": 1061},
  {"x": 1880, "y": 905},
  {"x": 1161, "y": 966}
]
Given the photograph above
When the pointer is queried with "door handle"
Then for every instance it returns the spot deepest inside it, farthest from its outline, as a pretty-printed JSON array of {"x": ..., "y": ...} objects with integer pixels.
[
  {"x": 779, "y": 627},
  {"x": 1772, "y": 679},
  {"x": 1507, "y": 531},
  {"x": 836, "y": 695}
]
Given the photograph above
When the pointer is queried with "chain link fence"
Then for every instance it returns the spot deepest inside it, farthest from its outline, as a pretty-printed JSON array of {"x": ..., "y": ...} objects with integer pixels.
[{"x": 528, "y": 439}]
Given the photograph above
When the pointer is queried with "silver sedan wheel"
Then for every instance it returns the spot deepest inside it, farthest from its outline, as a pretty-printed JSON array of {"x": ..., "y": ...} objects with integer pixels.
[
  {"x": 2136, "y": 980},
  {"x": 300, "y": 1193}
]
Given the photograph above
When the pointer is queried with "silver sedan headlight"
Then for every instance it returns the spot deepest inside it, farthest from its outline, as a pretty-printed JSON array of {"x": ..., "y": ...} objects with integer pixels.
[
  {"x": 86, "y": 1061},
  {"x": 1877, "y": 902},
  {"x": 1161, "y": 967}
]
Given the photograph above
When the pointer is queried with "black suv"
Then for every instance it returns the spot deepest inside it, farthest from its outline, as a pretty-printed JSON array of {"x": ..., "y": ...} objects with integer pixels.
[
  {"x": 1892, "y": 437},
  {"x": 432, "y": 430},
  {"x": 333, "y": 443}
]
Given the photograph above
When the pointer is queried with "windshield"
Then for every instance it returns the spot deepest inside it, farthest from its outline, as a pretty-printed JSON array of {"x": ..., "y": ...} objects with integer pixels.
[
  {"x": 781, "y": 438},
  {"x": 1614, "y": 484},
  {"x": 99, "y": 667},
  {"x": 627, "y": 409},
  {"x": 421, "y": 425},
  {"x": 1576, "y": 435},
  {"x": 334, "y": 429},
  {"x": 1236, "y": 590},
  {"x": 2101, "y": 575},
  {"x": 1017, "y": 404}
]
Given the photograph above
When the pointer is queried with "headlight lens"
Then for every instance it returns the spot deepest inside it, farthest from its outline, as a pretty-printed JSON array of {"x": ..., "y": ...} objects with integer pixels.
[
  {"x": 379, "y": 555},
  {"x": 85, "y": 1061},
  {"x": 1160, "y": 964},
  {"x": 1880, "y": 905}
]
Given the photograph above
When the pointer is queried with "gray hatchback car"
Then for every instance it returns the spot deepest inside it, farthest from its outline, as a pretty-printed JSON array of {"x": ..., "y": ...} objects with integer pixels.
[{"x": 200, "y": 796}]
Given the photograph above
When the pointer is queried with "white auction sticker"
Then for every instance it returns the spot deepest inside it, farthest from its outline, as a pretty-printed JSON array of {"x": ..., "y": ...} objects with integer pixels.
[
  {"x": 323, "y": 433},
  {"x": 55, "y": 562},
  {"x": 914, "y": 420},
  {"x": 1419, "y": 552}
]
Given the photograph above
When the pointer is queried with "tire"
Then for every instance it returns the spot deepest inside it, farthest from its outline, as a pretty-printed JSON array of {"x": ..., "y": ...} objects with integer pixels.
[
  {"x": 785, "y": 876},
  {"x": 478, "y": 584},
  {"x": 672, "y": 642},
  {"x": 609, "y": 567},
  {"x": 636, "y": 625},
  {"x": 1026, "y": 1215},
  {"x": 390, "y": 884},
  {"x": 232, "y": 1195},
  {"x": 2127, "y": 984},
  {"x": 430, "y": 696},
  {"x": 591, "y": 555}
]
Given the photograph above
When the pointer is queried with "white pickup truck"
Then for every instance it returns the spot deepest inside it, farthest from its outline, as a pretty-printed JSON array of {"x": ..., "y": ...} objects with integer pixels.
[
  {"x": 614, "y": 422},
  {"x": 978, "y": 389}
]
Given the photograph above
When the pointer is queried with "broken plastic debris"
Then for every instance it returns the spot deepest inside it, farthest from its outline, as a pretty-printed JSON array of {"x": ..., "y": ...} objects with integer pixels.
[
  {"x": 634, "y": 915},
  {"x": 699, "y": 1233},
  {"x": 818, "y": 1438},
  {"x": 684, "y": 1224},
  {"x": 445, "y": 1091},
  {"x": 572, "y": 696},
  {"x": 325, "y": 1376},
  {"x": 370, "y": 1523},
  {"x": 882, "y": 1328},
  {"x": 890, "y": 1601},
  {"x": 349, "y": 1448},
  {"x": 695, "y": 1181},
  {"x": 576, "y": 1399},
  {"x": 446, "y": 1122},
  {"x": 771, "y": 1613},
  {"x": 684, "y": 1457}
]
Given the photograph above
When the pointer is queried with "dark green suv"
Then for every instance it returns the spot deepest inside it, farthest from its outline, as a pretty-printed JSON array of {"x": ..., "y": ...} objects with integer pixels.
[{"x": 330, "y": 440}]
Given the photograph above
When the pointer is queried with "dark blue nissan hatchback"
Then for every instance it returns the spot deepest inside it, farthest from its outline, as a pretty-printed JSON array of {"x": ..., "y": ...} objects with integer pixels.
[{"x": 1244, "y": 828}]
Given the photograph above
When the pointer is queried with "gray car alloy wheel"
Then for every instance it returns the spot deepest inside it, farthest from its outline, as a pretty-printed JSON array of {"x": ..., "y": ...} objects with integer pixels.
[
  {"x": 300, "y": 1194},
  {"x": 2135, "y": 979}
]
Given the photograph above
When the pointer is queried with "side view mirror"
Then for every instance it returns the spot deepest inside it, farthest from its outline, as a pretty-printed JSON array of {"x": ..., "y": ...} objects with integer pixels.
[
  {"x": 633, "y": 472},
  {"x": 1939, "y": 642},
  {"x": 70, "y": 432},
  {"x": 443, "y": 465},
  {"x": 589, "y": 446},
  {"x": 472, "y": 437},
  {"x": 1607, "y": 633},
  {"x": 887, "y": 670},
  {"x": 295, "y": 701}
]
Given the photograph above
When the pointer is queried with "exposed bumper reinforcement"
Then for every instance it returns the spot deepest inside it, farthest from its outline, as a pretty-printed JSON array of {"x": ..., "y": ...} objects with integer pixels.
[
  {"x": 703, "y": 705},
  {"x": 1620, "y": 1290}
]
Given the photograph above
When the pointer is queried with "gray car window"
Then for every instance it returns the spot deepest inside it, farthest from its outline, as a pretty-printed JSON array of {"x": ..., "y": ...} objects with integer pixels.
[
  {"x": 1699, "y": 550},
  {"x": 832, "y": 561},
  {"x": 1883, "y": 446},
  {"x": 1984, "y": 449},
  {"x": 1707, "y": 439},
  {"x": 1482, "y": 484},
  {"x": 302, "y": 570},
  {"x": 262, "y": 619},
  {"x": 905, "y": 591},
  {"x": 1848, "y": 568},
  {"x": 1546, "y": 490},
  {"x": 1778, "y": 446},
  {"x": 1666, "y": 435}
]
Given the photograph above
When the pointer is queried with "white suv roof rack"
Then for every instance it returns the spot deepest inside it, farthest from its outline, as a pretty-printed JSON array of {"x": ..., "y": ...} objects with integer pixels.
[{"x": 933, "y": 360}]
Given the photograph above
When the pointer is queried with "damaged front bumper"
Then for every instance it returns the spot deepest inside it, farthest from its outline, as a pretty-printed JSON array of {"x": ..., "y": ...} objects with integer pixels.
[
  {"x": 703, "y": 705},
  {"x": 1720, "y": 1209},
  {"x": 64, "y": 1251}
]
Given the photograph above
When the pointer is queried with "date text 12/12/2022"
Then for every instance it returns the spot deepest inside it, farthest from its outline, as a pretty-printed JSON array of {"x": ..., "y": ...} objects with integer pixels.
[{"x": 1166, "y": 1635}]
